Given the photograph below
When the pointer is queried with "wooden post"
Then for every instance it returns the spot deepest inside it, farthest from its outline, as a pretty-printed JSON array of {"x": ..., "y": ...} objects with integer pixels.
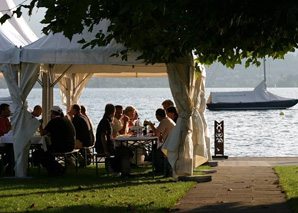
[{"x": 219, "y": 139}]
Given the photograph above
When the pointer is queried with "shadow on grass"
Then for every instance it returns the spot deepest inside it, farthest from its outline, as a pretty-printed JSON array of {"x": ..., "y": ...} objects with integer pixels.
[
  {"x": 82, "y": 181},
  {"x": 102, "y": 208},
  {"x": 235, "y": 207},
  {"x": 293, "y": 202}
]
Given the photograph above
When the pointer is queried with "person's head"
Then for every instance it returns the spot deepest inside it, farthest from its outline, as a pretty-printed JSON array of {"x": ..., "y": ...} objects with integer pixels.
[
  {"x": 167, "y": 103},
  {"x": 56, "y": 111},
  {"x": 172, "y": 113},
  {"x": 136, "y": 116},
  {"x": 5, "y": 110},
  {"x": 109, "y": 111},
  {"x": 83, "y": 109},
  {"x": 130, "y": 112},
  {"x": 37, "y": 111},
  {"x": 119, "y": 111},
  {"x": 160, "y": 114},
  {"x": 75, "y": 109}
]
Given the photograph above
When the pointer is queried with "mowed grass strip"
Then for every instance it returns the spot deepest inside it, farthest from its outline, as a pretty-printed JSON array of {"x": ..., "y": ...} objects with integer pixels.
[
  {"x": 288, "y": 179},
  {"x": 84, "y": 192}
]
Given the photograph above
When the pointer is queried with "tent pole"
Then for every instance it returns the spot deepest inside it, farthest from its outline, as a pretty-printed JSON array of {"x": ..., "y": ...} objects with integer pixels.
[
  {"x": 69, "y": 89},
  {"x": 44, "y": 98},
  {"x": 50, "y": 87}
]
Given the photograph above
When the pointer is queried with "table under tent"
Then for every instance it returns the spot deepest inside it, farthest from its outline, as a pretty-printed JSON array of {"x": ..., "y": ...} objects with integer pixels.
[
  {"x": 58, "y": 60},
  {"x": 15, "y": 33}
]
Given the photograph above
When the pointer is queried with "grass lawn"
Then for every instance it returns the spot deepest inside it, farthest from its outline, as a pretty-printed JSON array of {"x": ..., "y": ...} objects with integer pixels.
[
  {"x": 288, "y": 179},
  {"x": 84, "y": 192}
]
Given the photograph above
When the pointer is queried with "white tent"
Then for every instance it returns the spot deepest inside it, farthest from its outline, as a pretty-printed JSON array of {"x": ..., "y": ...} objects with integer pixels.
[
  {"x": 19, "y": 24},
  {"x": 65, "y": 62},
  {"x": 13, "y": 34}
]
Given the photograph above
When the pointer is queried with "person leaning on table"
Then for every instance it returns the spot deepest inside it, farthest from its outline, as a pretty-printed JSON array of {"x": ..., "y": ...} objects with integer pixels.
[{"x": 62, "y": 135}]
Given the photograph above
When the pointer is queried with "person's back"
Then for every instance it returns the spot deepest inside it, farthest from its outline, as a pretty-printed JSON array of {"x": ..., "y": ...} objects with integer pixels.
[
  {"x": 82, "y": 128},
  {"x": 62, "y": 135},
  {"x": 104, "y": 126},
  {"x": 165, "y": 127},
  {"x": 70, "y": 134}
]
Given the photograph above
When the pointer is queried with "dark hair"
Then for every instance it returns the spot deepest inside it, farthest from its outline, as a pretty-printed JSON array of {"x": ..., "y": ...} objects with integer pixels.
[
  {"x": 109, "y": 109},
  {"x": 3, "y": 107},
  {"x": 77, "y": 108},
  {"x": 118, "y": 107},
  {"x": 173, "y": 109},
  {"x": 161, "y": 112},
  {"x": 83, "y": 109},
  {"x": 37, "y": 107}
]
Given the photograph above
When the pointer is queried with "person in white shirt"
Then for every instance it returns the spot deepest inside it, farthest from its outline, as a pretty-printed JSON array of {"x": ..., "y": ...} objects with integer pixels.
[
  {"x": 162, "y": 132},
  {"x": 120, "y": 122}
]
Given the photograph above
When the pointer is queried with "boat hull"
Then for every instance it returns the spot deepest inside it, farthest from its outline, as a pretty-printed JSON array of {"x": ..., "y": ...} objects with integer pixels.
[{"x": 280, "y": 104}]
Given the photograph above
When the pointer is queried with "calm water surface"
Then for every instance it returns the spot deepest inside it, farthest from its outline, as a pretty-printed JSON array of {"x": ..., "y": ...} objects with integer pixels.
[{"x": 247, "y": 133}]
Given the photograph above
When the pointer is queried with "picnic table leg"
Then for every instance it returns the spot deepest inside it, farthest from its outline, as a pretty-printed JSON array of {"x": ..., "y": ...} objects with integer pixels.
[{"x": 153, "y": 159}]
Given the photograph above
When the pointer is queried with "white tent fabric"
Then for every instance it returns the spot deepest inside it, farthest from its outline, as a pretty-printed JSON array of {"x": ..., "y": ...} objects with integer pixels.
[
  {"x": 16, "y": 33},
  {"x": 72, "y": 86},
  {"x": 179, "y": 146},
  {"x": 202, "y": 109},
  {"x": 9, "y": 54},
  {"x": 24, "y": 124},
  {"x": 259, "y": 94},
  {"x": 201, "y": 142},
  {"x": 18, "y": 24},
  {"x": 63, "y": 58}
]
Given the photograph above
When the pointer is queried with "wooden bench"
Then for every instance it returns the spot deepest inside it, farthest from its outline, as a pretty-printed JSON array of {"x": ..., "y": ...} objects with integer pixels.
[{"x": 63, "y": 156}]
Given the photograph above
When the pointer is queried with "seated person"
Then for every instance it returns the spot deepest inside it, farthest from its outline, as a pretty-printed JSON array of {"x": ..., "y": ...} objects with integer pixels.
[
  {"x": 129, "y": 111},
  {"x": 62, "y": 135},
  {"x": 172, "y": 113},
  {"x": 37, "y": 110},
  {"x": 83, "y": 129},
  {"x": 162, "y": 131},
  {"x": 104, "y": 143},
  {"x": 84, "y": 113},
  {"x": 119, "y": 124},
  {"x": 167, "y": 103},
  {"x": 5, "y": 127}
]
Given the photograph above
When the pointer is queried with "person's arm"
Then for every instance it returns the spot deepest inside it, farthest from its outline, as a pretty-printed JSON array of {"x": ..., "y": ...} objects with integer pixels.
[
  {"x": 159, "y": 135},
  {"x": 125, "y": 120},
  {"x": 43, "y": 131},
  {"x": 152, "y": 127},
  {"x": 103, "y": 138}
]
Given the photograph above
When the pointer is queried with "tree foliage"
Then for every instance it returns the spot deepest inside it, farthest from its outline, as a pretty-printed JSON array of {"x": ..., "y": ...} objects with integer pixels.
[{"x": 162, "y": 30}]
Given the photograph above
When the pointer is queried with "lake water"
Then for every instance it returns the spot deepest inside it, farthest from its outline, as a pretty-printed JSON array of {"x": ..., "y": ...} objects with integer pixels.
[{"x": 247, "y": 133}]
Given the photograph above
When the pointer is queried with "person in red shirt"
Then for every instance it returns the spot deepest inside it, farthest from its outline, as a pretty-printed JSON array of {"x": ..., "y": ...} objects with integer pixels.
[{"x": 5, "y": 125}]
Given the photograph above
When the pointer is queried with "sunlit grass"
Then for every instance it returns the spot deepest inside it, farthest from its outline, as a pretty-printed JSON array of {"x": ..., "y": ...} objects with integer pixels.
[
  {"x": 84, "y": 192},
  {"x": 288, "y": 179}
]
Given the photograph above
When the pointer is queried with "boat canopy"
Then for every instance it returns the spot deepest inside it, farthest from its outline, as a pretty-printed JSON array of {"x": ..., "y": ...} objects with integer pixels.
[{"x": 259, "y": 94}]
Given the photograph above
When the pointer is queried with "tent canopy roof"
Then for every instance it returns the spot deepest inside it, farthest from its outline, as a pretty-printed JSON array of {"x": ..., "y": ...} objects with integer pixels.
[{"x": 58, "y": 50}]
